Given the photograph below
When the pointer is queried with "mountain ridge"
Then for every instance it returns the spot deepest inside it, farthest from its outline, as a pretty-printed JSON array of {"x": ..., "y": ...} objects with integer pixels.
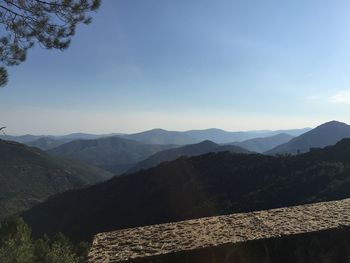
[
  {"x": 263, "y": 144},
  {"x": 187, "y": 150},
  {"x": 115, "y": 154},
  {"x": 167, "y": 137},
  {"x": 326, "y": 134},
  {"x": 28, "y": 176},
  {"x": 193, "y": 187}
]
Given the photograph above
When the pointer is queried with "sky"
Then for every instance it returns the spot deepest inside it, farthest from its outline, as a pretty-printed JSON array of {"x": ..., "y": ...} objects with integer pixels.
[{"x": 188, "y": 64}]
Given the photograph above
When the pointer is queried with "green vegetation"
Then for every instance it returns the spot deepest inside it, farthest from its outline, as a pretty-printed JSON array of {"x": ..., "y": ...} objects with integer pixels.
[
  {"x": 28, "y": 176},
  {"x": 17, "y": 246},
  {"x": 51, "y": 24},
  {"x": 205, "y": 185}
]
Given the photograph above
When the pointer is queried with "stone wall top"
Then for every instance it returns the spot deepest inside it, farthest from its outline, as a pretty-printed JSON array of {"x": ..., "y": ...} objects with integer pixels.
[{"x": 155, "y": 240}]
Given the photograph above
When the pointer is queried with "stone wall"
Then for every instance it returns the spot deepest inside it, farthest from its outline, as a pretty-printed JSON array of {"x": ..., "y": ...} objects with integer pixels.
[{"x": 309, "y": 233}]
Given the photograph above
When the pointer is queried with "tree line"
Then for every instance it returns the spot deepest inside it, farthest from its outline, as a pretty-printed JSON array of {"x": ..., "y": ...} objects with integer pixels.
[{"x": 18, "y": 246}]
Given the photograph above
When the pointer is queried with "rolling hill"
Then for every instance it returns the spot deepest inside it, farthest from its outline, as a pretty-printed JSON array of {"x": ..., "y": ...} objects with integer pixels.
[
  {"x": 225, "y": 137},
  {"x": 324, "y": 135},
  {"x": 30, "y": 139},
  {"x": 205, "y": 185},
  {"x": 21, "y": 139},
  {"x": 160, "y": 136},
  {"x": 218, "y": 135},
  {"x": 114, "y": 154},
  {"x": 28, "y": 176},
  {"x": 264, "y": 144},
  {"x": 188, "y": 150},
  {"x": 45, "y": 143}
]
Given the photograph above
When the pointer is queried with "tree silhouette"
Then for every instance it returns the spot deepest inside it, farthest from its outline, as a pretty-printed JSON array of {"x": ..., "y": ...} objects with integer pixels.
[{"x": 49, "y": 23}]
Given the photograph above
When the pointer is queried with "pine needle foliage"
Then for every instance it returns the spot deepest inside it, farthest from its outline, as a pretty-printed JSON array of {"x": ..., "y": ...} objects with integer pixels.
[{"x": 50, "y": 23}]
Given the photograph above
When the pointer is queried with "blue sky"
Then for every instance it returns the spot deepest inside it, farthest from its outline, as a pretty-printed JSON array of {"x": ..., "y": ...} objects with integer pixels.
[{"x": 185, "y": 64}]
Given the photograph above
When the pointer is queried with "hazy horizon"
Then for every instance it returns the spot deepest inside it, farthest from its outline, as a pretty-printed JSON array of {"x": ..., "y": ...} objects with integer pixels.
[
  {"x": 139, "y": 131},
  {"x": 40, "y": 127}
]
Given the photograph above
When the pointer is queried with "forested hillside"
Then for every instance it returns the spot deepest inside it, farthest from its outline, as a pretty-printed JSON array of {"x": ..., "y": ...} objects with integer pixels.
[
  {"x": 210, "y": 184},
  {"x": 28, "y": 176}
]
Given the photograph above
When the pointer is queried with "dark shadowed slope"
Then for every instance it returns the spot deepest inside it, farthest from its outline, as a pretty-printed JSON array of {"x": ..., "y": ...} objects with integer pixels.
[
  {"x": 326, "y": 134},
  {"x": 211, "y": 184},
  {"x": 28, "y": 176},
  {"x": 114, "y": 154},
  {"x": 261, "y": 145},
  {"x": 188, "y": 150}
]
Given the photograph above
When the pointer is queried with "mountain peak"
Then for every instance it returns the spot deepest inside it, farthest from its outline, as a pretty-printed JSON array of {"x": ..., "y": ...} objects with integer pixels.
[
  {"x": 157, "y": 130},
  {"x": 207, "y": 143},
  {"x": 333, "y": 124},
  {"x": 326, "y": 134}
]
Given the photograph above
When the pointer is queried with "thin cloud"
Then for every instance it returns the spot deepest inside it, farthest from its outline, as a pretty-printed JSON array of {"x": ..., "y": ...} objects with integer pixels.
[{"x": 342, "y": 97}]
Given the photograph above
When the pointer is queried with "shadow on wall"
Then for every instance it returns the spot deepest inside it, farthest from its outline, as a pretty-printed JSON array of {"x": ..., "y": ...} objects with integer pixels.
[{"x": 331, "y": 246}]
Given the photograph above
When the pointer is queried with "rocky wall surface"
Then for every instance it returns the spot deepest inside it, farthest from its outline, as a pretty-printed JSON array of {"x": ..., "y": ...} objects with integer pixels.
[{"x": 300, "y": 233}]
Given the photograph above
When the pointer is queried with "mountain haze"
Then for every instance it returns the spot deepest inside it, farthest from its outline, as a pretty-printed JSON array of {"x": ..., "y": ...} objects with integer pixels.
[
  {"x": 160, "y": 136},
  {"x": 224, "y": 137},
  {"x": 326, "y": 134},
  {"x": 218, "y": 135},
  {"x": 21, "y": 139},
  {"x": 28, "y": 138},
  {"x": 188, "y": 150},
  {"x": 84, "y": 136},
  {"x": 114, "y": 154},
  {"x": 264, "y": 144},
  {"x": 47, "y": 142}
]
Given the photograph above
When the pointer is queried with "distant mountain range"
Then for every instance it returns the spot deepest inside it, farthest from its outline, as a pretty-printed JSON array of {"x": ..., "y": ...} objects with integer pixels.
[
  {"x": 47, "y": 142},
  {"x": 118, "y": 153},
  {"x": 210, "y": 184},
  {"x": 188, "y": 150},
  {"x": 160, "y": 136},
  {"x": 28, "y": 176},
  {"x": 85, "y": 136},
  {"x": 114, "y": 154},
  {"x": 155, "y": 136},
  {"x": 324, "y": 135},
  {"x": 21, "y": 139},
  {"x": 224, "y": 137},
  {"x": 261, "y": 145}
]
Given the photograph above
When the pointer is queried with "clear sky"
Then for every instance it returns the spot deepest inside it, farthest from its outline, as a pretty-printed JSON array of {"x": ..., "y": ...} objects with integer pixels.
[{"x": 189, "y": 64}]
